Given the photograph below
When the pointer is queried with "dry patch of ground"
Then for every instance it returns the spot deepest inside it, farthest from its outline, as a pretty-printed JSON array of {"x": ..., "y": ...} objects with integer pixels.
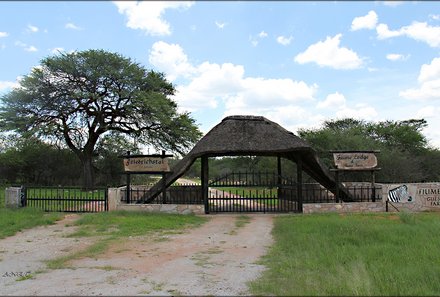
[{"x": 217, "y": 258}]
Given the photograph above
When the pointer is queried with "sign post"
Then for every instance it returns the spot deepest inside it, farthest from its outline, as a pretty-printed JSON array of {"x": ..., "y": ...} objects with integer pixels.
[
  {"x": 146, "y": 164},
  {"x": 356, "y": 161}
]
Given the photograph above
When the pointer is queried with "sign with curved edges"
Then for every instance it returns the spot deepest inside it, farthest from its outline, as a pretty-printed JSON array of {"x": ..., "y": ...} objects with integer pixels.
[
  {"x": 355, "y": 161},
  {"x": 146, "y": 164}
]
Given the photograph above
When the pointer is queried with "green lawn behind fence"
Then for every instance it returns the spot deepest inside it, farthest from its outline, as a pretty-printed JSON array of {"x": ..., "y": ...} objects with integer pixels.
[
  {"x": 65, "y": 198},
  {"x": 370, "y": 254},
  {"x": 251, "y": 192}
]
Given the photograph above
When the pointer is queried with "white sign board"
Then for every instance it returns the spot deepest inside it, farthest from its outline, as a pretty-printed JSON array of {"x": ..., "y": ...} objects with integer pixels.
[
  {"x": 146, "y": 164},
  {"x": 355, "y": 160}
]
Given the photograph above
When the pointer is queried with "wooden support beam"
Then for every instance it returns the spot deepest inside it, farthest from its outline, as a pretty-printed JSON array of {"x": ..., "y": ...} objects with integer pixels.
[
  {"x": 205, "y": 181},
  {"x": 299, "y": 182}
]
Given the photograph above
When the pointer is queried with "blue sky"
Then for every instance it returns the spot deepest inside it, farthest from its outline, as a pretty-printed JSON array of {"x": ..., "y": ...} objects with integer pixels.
[{"x": 296, "y": 63}]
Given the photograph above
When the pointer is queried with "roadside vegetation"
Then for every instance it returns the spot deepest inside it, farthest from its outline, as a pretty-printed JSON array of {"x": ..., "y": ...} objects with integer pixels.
[
  {"x": 358, "y": 254},
  {"x": 16, "y": 220}
]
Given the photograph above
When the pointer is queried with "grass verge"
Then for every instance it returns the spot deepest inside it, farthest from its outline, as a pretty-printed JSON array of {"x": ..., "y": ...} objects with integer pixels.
[
  {"x": 114, "y": 226},
  {"x": 15, "y": 220},
  {"x": 353, "y": 255},
  {"x": 18, "y": 219}
]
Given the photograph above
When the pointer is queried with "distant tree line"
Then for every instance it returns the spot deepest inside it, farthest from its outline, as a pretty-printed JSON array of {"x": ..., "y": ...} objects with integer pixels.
[
  {"x": 405, "y": 156},
  {"x": 30, "y": 161}
]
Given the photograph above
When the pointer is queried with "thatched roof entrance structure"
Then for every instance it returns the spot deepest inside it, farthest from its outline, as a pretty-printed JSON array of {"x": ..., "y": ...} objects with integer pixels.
[{"x": 256, "y": 136}]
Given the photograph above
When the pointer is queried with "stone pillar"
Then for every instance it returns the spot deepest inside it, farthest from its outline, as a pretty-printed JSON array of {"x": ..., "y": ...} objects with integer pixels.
[
  {"x": 12, "y": 197},
  {"x": 113, "y": 198}
]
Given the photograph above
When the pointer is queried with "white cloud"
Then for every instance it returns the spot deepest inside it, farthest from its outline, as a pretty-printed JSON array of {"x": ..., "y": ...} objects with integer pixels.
[
  {"x": 417, "y": 31},
  {"x": 360, "y": 111},
  {"x": 392, "y": 3},
  {"x": 57, "y": 50},
  {"x": 256, "y": 39},
  {"x": 6, "y": 85},
  {"x": 32, "y": 29},
  {"x": 72, "y": 26},
  {"x": 148, "y": 15},
  {"x": 384, "y": 32},
  {"x": 171, "y": 59},
  {"x": 435, "y": 17},
  {"x": 220, "y": 25},
  {"x": 335, "y": 100},
  {"x": 397, "y": 57},
  {"x": 4, "y": 34},
  {"x": 365, "y": 22},
  {"x": 211, "y": 83},
  {"x": 31, "y": 48},
  {"x": 284, "y": 40},
  {"x": 430, "y": 71},
  {"x": 28, "y": 48},
  {"x": 432, "y": 115},
  {"x": 328, "y": 53},
  {"x": 427, "y": 112},
  {"x": 262, "y": 34},
  {"x": 429, "y": 83}
]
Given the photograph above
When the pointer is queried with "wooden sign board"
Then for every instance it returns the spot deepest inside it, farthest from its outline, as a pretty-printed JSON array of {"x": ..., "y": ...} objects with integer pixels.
[
  {"x": 146, "y": 164},
  {"x": 355, "y": 161}
]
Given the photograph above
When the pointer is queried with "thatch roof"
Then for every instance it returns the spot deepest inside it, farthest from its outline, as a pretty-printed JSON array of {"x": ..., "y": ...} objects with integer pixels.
[{"x": 251, "y": 135}]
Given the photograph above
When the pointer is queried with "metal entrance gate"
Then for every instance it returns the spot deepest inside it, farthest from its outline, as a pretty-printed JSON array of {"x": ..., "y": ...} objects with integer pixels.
[
  {"x": 69, "y": 199},
  {"x": 252, "y": 192}
]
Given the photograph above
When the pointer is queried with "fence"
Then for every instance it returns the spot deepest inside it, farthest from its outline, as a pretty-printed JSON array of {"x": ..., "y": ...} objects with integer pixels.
[
  {"x": 68, "y": 199},
  {"x": 360, "y": 192},
  {"x": 239, "y": 192},
  {"x": 175, "y": 194}
]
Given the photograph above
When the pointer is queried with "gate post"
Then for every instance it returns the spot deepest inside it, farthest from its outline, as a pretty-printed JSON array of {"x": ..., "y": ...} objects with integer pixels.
[
  {"x": 13, "y": 197},
  {"x": 299, "y": 184},
  {"x": 205, "y": 180},
  {"x": 373, "y": 186}
]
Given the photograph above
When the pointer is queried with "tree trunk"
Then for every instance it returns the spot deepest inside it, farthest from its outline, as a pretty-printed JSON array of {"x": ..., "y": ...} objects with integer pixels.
[{"x": 88, "y": 174}]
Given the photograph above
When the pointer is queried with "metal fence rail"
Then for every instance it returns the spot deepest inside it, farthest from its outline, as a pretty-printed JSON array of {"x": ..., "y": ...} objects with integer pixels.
[
  {"x": 66, "y": 199},
  {"x": 175, "y": 194},
  {"x": 251, "y": 179}
]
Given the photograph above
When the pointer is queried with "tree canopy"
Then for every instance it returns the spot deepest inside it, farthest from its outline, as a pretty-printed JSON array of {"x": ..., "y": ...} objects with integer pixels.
[
  {"x": 405, "y": 155},
  {"x": 76, "y": 98}
]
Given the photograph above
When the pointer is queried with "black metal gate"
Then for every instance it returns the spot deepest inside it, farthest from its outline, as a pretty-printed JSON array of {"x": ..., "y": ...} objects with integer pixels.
[
  {"x": 252, "y": 192},
  {"x": 67, "y": 199}
]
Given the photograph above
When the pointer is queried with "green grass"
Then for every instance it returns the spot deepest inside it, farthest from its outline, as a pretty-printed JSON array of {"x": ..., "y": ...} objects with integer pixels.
[
  {"x": 125, "y": 223},
  {"x": 2, "y": 196},
  {"x": 257, "y": 192},
  {"x": 15, "y": 220},
  {"x": 242, "y": 221},
  {"x": 112, "y": 227},
  {"x": 369, "y": 254}
]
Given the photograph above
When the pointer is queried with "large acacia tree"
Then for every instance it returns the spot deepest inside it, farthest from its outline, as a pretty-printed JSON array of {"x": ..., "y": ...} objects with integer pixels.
[{"x": 76, "y": 98}]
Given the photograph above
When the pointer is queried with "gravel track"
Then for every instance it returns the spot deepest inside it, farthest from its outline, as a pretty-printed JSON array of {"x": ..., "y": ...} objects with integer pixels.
[{"x": 217, "y": 258}]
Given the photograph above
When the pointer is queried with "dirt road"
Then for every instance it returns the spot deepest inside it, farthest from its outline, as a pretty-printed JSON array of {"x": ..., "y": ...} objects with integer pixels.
[{"x": 217, "y": 258}]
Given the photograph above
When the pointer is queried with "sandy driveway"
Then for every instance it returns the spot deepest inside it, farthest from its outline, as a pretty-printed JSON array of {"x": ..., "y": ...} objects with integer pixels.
[{"x": 217, "y": 258}]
